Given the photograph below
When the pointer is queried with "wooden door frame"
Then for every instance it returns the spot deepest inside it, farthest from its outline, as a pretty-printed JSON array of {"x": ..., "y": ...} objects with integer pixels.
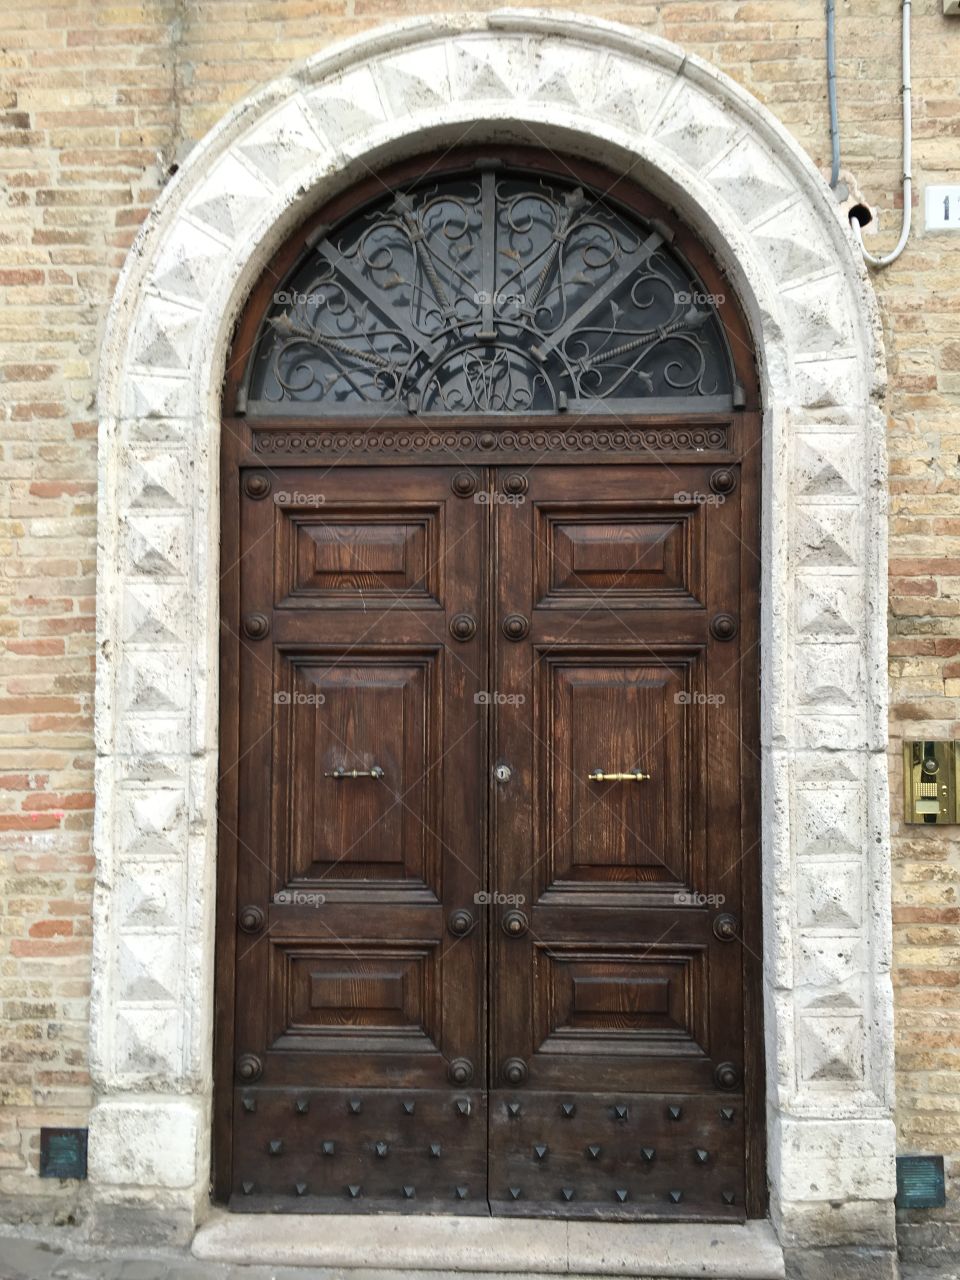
[{"x": 237, "y": 452}]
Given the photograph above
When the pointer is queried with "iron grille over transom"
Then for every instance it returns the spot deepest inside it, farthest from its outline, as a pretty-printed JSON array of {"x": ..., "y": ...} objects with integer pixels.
[{"x": 491, "y": 292}]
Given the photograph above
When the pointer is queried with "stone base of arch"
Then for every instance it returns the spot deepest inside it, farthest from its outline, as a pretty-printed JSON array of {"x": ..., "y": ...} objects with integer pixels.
[{"x": 735, "y": 175}]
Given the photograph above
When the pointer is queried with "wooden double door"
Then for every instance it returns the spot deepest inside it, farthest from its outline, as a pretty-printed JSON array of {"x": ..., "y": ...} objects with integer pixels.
[{"x": 487, "y": 935}]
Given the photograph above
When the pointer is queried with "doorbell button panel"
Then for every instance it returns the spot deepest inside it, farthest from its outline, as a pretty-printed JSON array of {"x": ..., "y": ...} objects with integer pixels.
[{"x": 931, "y": 783}]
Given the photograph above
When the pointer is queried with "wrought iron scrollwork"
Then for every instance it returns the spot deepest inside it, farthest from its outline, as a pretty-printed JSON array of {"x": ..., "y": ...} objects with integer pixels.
[{"x": 493, "y": 292}]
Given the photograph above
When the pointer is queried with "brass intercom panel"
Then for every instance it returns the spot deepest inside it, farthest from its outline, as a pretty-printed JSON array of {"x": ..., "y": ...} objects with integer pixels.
[{"x": 931, "y": 782}]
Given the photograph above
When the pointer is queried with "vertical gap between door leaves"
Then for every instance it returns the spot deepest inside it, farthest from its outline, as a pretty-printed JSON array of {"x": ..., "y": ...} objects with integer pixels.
[{"x": 489, "y": 748}]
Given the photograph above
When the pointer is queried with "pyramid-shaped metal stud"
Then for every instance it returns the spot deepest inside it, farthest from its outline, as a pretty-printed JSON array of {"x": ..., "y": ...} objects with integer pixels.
[
  {"x": 513, "y": 1109},
  {"x": 593, "y": 1153},
  {"x": 246, "y": 1188},
  {"x": 409, "y": 1193},
  {"x": 302, "y": 1106},
  {"x": 353, "y": 1192},
  {"x": 648, "y": 1153},
  {"x": 701, "y": 1156},
  {"x": 463, "y": 1106},
  {"x": 355, "y": 1106},
  {"x": 382, "y": 1149},
  {"x": 514, "y": 1193},
  {"x": 676, "y": 1196},
  {"x": 727, "y": 1114},
  {"x": 567, "y": 1193},
  {"x": 275, "y": 1146},
  {"x": 435, "y": 1150},
  {"x": 409, "y": 1108},
  {"x": 462, "y": 1192},
  {"x": 568, "y": 1110},
  {"x": 249, "y": 1104},
  {"x": 328, "y": 1148},
  {"x": 675, "y": 1113},
  {"x": 621, "y": 1195},
  {"x": 540, "y": 1151},
  {"x": 620, "y": 1112},
  {"x": 301, "y": 1188},
  {"x": 728, "y": 1197}
]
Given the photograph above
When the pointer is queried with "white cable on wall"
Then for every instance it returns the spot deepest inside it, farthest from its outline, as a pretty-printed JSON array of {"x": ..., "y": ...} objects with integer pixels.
[{"x": 886, "y": 259}]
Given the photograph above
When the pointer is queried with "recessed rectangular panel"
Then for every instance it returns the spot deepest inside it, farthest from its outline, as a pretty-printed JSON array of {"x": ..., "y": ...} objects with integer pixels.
[
  {"x": 342, "y": 556},
  {"x": 620, "y": 556},
  {"x": 375, "y": 716},
  {"x": 360, "y": 988},
  {"x": 359, "y": 557},
  {"x": 348, "y": 990},
  {"x": 630, "y": 994},
  {"x": 615, "y": 996},
  {"x": 616, "y": 717}
]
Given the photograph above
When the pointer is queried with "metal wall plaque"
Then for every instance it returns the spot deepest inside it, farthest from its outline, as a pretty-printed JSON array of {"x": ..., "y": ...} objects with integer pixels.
[
  {"x": 63, "y": 1153},
  {"x": 931, "y": 783},
  {"x": 920, "y": 1183}
]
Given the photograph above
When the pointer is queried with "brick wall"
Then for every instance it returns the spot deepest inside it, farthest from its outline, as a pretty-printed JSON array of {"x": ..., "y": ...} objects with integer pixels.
[{"x": 97, "y": 101}]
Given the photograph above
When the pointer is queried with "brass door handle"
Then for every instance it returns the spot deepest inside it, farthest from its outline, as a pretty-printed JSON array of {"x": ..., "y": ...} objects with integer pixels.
[
  {"x": 633, "y": 776},
  {"x": 340, "y": 773}
]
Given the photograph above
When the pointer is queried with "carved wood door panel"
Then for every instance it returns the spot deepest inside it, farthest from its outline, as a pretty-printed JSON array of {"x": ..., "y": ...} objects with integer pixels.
[
  {"x": 617, "y": 991},
  {"x": 360, "y": 997},
  {"x": 492, "y": 786}
]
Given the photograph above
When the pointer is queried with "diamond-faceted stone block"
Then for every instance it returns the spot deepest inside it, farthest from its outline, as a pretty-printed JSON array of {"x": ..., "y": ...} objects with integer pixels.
[
  {"x": 825, "y": 466},
  {"x": 829, "y": 821},
  {"x": 230, "y": 199},
  {"x": 817, "y": 315},
  {"x": 154, "y": 479},
  {"x": 154, "y": 614},
  {"x": 631, "y": 94},
  {"x": 415, "y": 79},
  {"x": 150, "y": 684},
  {"x": 188, "y": 264},
  {"x": 156, "y": 544},
  {"x": 147, "y": 967},
  {"x": 830, "y": 896},
  {"x": 151, "y": 822},
  {"x": 828, "y": 675},
  {"x": 830, "y": 606},
  {"x": 694, "y": 129},
  {"x": 828, "y": 536},
  {"x": 148, "y": 1042},
  {"x": 284, "y": 145},
  {"x": 164, "y": 337},
  {"x": 347, "y": 107},
  {"x": 750, "y": 181},
  {"x": 148, "y": 894},
  {"x": 831, "y": 1048}
]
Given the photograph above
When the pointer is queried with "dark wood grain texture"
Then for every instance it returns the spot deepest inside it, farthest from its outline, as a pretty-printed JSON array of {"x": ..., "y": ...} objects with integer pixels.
[{"x": 400, "y": 955}]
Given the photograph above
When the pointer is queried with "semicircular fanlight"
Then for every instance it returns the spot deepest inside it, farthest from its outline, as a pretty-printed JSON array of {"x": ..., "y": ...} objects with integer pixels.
[{"x": 491, "y": 292}]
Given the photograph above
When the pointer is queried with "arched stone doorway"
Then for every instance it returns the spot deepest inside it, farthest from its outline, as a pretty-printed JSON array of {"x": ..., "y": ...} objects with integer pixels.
[{"x": 734, "y": 175}]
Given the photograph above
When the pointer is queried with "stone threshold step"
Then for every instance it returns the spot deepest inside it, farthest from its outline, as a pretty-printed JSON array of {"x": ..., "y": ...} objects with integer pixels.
[{"x": 503, "y": 1246}]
